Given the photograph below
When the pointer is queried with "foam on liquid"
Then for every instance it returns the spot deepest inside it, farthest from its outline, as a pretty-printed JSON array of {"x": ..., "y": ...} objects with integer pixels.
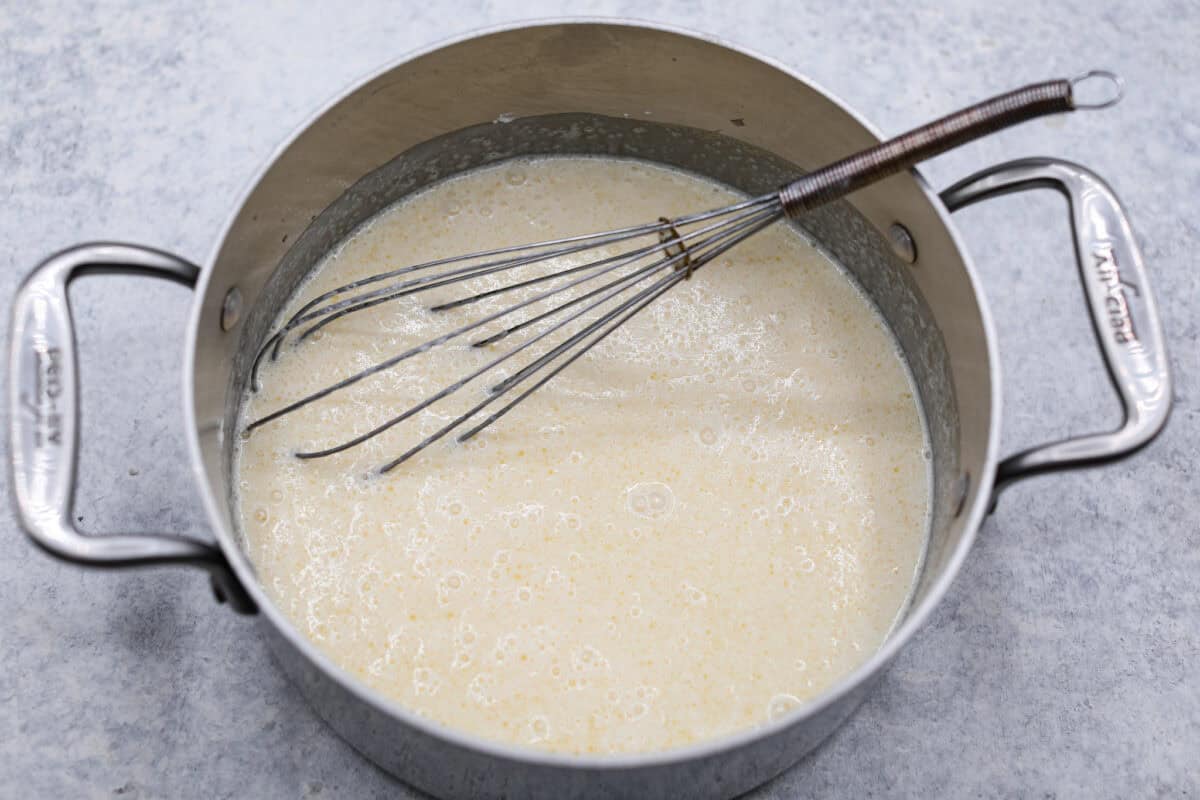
[{"x": 692, "y": 530}]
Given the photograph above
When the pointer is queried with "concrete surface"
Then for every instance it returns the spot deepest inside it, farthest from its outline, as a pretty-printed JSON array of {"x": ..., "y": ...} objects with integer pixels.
[{"x": 1065, "y": 661}]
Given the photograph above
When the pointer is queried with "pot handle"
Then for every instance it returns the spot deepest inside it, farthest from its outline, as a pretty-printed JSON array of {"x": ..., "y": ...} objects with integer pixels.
[
  {"x": 44, "y": 419},
  {"x": 1124, "y": 314}
]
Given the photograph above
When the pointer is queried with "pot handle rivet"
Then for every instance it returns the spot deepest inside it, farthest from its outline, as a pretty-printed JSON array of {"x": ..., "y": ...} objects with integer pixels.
[
  {"x": 231, "y": 309},
  {"x": 902, "y": 243}
]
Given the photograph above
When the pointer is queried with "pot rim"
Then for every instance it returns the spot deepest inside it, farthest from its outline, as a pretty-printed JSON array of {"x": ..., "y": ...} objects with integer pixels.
[{"x": 899, "y": 637}]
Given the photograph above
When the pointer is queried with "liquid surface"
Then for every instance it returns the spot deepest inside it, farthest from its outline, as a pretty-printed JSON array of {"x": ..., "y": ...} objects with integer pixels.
[{"x": 693, "y": 529}]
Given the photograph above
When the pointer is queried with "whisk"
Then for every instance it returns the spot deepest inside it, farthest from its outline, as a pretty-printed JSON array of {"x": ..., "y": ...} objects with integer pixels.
[{"x": 605, "y": 291}]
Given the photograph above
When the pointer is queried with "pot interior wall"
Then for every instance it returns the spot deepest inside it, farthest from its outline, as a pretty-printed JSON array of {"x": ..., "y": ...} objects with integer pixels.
[
  {"x": 628, "y": 91},
  {"x": 838, "y": 229}
]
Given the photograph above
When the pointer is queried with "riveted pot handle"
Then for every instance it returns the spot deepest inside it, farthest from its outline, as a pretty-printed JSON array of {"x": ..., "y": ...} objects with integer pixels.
[
  {"x": 44, "y": 419},
  {"x": 1124, "y": 315}
]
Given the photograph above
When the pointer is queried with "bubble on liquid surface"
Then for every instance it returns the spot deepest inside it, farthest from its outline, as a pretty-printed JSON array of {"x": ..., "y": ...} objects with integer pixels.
[
  {"x": 650, "y": 500},
  {"x": 693, "y": 596},
  {"x": 709, "y": 427},
  {"x": 537, "y": 729},
  {"x": 781, "y": 705},
  {"x": 482, "y": 689},
  {"x": 466, "y": 636},
  {"x": 425, "y": 681},
  {"x": 588, "y": 659},
  {"x": 449, "y": 585}
]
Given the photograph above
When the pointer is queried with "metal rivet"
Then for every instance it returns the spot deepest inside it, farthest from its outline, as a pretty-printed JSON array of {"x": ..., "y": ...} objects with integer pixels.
[
  {"x": 231, "y": 309},
  {"x": 902, "y": 243},
  {"x": 962, "y": 487}
]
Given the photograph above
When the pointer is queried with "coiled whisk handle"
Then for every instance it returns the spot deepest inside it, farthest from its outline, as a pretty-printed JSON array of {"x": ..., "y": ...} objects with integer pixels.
[{"x": 854, "y": 172}]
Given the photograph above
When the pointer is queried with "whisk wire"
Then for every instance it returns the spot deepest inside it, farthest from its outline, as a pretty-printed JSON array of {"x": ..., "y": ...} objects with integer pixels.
[
  {"x": 693, "y": 255},
  {"x": 770, "y": 209},
  {"x": 630, "y": 306},
  {"x": 495, "y": 395},
  {"x": 542, "y": 251},
  {"x": 621, "y": 285},
  {"x": 657, "y": 291},
  {"x": 684, "y": 251}
]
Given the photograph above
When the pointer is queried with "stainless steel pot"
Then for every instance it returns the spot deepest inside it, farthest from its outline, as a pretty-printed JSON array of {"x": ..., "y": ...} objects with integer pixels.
[{"x": 599, "y": 88}]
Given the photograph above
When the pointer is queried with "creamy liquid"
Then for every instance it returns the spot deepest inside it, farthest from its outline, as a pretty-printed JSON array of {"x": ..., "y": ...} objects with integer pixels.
[{"x": 693, "y": 529}]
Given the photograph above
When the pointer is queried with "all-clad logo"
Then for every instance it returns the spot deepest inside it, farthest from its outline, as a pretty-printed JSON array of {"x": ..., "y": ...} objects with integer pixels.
[
  {"x": 47, "y": 388},
  {"x": 1108, "y": 272}
]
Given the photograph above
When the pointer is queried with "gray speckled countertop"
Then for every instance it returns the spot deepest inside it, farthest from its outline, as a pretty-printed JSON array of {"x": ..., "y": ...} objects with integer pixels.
[{"x": 1065, "y": 661}]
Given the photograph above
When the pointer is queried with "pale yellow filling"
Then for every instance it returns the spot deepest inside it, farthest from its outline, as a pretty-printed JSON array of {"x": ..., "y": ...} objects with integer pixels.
[{"x": 695, "y": 528}]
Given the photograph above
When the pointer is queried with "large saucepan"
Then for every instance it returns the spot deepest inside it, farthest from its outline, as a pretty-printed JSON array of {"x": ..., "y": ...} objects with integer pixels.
[{"x": 600, "y": 88}]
